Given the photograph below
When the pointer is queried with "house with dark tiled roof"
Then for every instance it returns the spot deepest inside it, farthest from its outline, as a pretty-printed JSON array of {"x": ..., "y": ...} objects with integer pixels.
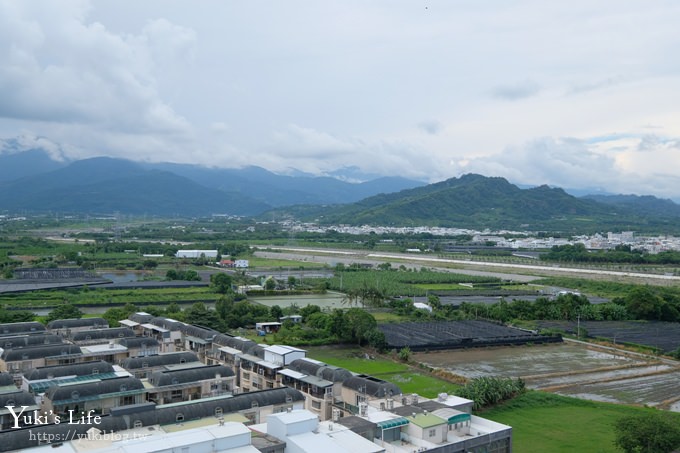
[
  {"x": 99, "y": 396},
  {"x": 68, "y": 327},
  {"x": 99, "y": 336},
  {"x": 140, "y": 346},
  {"x": 253, "y": 407},
  {"x": 37, "y": 380},
  {"x": 18, "y": 360},
  {"x": 320, "y": 382},
  {"x": 17, "y": 399},
  {"x": 142, "y": 367},
  {"x": 186, "y": 384},
  {"x": 18, "y": 328},
  {"x": 21, "y": 341}
]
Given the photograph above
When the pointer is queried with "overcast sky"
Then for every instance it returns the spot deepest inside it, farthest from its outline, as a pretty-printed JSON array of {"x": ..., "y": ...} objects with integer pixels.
[{"x": 577, "y": 94}]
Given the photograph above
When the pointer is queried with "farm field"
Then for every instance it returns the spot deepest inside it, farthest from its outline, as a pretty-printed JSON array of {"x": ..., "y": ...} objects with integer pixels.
[
  {"x": 547, "y": 423},
  {"x": 419, "y": 336},
  {"x": 662, "y": 335},
  {"x": 327, "y": 301},
  {"x": 570, "y": 369},
  {"x": 408, "y": 379}
]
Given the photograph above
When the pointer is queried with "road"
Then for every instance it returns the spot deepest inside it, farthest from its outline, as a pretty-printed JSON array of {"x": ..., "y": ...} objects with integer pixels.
[{"x": 414, "y": 261}]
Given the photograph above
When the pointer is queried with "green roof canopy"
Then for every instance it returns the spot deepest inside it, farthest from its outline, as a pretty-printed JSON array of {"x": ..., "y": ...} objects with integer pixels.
[
  {"x": 392, "y": 423},
  {"x": 458, "y": 418}
]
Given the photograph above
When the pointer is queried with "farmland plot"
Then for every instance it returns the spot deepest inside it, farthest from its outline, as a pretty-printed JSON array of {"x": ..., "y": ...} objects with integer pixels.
[
  {"x": 571, "y": 369},
  {"x": 662, "y": 335}
]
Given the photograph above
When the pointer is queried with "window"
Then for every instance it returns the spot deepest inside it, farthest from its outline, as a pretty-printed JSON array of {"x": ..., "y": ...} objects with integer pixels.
[
  {"x": 254, "y": 404},
  {"x": 179, "y": 418},
  {"x": 316, "y": 405},
  {"x": 145, "y": 365},
  {"x": 138, "y": 424},
  {"x": 95, "y": 370},
  {"x": 218, "y": 411},
  {"x": 432, "y": 433},
  {"x": 75, "y": 395},
  {"x": 123, "y": 388},
  {"x": 246, "y": 376}
]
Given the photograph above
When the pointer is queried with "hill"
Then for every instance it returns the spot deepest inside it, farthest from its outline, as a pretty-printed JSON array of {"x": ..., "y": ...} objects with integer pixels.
[
  {"x": 105, "y": 185},
  {"x": 644, "y": 205},
  {"x": 29, "y": 179},
  {"x": 475, "y": 201}
]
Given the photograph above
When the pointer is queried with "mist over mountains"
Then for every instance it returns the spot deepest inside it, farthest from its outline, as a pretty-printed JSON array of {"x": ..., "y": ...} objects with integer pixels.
[{"x": 33, "y": 181}]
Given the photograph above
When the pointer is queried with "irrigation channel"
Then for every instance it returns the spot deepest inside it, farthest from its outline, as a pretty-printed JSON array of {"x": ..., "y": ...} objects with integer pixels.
[{"x": 574, "y": 369}]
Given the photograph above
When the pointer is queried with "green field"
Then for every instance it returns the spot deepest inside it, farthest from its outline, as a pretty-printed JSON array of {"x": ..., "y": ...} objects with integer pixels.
[
  {"x": 542, "y": 422},
  {"x": 51, "y": 298},
  {"x": 327, "y": 301},
  {"x": 409, "y": 379},
  {"x": 547, "y": 423}
]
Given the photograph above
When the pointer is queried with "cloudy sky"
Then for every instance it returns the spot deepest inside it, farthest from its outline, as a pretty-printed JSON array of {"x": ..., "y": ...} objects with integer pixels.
[{"x": 576, "y": 94}]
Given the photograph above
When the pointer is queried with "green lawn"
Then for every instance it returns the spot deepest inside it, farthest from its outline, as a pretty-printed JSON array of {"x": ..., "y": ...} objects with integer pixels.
[
  {"x": 547, "y": 423},
  {"x": 407, "y": 378}
]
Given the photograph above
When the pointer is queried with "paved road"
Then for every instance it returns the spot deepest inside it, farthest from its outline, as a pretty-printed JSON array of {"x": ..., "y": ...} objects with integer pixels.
[
  {"x": 356, "y": 256},
  {"x": 345, "y": 257}
]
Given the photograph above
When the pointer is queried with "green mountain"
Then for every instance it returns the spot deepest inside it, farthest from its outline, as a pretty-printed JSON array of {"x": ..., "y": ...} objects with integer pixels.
[
  {"x": 105, "y": 185},
  {"x": 642, "y": 204},
  {"x": 475, "y": 201}
]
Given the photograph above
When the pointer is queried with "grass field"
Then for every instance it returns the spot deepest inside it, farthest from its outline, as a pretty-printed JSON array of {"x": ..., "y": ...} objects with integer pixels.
[
  {"x": 542, "y": 422},
  {"x": 547, "y": 423},
  {"x": 410, "y": 380},
  {"x": 442, "y": 286},
  {"x": 255, "y": 262}
]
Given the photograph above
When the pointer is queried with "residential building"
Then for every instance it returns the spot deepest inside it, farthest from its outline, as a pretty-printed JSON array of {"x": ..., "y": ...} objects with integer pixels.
[
  {"x": 67, "y": 327},
  {"x": 143, "y": 367},
  {"x": 99, "y": 396},
  {"x": 18, "y": 360},
  {"x": 186, "y": 384},
  {"x": 140, "y": 346}
]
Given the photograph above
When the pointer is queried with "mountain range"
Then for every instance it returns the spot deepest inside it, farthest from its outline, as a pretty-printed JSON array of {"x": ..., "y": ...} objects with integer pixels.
[
  {"x": 476, "y": 201},
  {"x": 31, "y": 181}
]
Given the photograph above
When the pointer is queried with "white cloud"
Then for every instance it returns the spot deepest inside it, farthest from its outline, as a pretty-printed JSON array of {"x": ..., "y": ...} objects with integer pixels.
[
  {"x": 389, "y": 87},
  {"x": 60, "y": 68}
]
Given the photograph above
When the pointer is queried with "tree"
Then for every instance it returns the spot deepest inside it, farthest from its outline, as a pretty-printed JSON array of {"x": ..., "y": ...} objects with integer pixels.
[
  {"x": 292, "y": 282},
  {"x": 358, "y": 323},
  {"x": 276, "y": 312},
  {"x": 65, "y": 311},
  {"x": 651, "y": 432},
  {"x": 642, "y": 303},
  {"x": 308, "y": 310},
  {"x": 270, "y": 284},
  {"x": 223, "y": 305},
  {"x": 405, "y": 354},
  {"x": 198, "y": 314},
  {"x": 221, "y": 282}
]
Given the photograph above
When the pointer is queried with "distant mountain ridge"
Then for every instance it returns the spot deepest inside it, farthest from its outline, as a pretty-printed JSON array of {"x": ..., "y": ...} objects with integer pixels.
[
  {"x": 30, "y": 181},
  {"x": 476, "y": 201},
  {"x": 644, "y": 204}
]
